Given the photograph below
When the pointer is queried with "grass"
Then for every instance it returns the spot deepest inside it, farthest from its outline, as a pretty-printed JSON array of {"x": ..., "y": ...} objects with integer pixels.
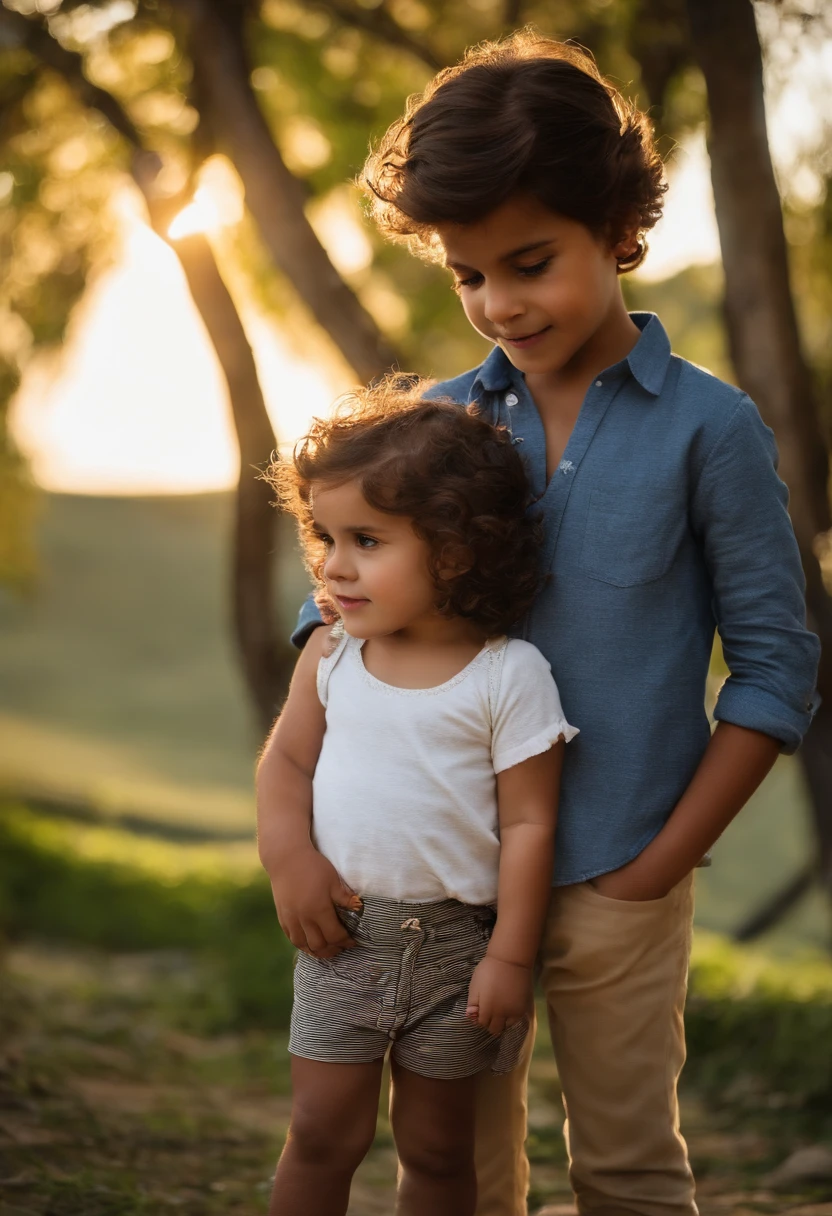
[
  {"x": 110, "y": 1107},
  {"x": 120, "y": 694},
  {"x": 143, "y": 1061}
]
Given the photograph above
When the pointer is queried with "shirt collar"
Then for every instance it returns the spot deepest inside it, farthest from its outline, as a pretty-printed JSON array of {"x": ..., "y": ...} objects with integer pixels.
[{"x": 647, "y": 361}]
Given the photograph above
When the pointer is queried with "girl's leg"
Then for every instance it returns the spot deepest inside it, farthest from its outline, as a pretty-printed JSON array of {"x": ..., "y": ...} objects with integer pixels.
[
  {"x": 433, "y": 1126},
  {"x": 334, "y": 1111}
]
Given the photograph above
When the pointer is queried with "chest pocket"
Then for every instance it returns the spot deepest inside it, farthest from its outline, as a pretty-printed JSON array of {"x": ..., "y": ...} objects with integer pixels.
[{"x": 627, "y": 543}]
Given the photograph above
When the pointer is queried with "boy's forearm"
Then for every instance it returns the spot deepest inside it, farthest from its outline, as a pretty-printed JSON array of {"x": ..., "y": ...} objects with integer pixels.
[
  {"x": 525, "y": 887},
  {"x": 733, "y": 766}
]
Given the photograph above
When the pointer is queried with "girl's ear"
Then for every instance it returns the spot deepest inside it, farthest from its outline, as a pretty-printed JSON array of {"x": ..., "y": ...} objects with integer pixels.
[{"x": 455, "y": 559}]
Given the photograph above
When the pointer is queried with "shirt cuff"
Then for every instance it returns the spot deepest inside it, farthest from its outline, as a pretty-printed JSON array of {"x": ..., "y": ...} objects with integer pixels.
[
  {"x": 309, "y": 618},
  {"x": 756, "y": 709}
]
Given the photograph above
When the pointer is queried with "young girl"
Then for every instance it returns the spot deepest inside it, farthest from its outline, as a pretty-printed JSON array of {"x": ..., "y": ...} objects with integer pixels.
[{"x": 422, "y": 748}]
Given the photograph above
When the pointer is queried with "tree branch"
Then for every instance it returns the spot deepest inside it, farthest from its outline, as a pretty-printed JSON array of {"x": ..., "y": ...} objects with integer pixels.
[
  {"x": 35, "y": 38},
  {"x": 381, "y": 25},
  {"x": 274, "y": 196}
]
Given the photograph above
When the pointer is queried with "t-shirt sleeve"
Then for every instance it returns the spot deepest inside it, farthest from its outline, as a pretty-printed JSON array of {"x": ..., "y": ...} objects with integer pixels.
[{"x": 529, "y": 717}]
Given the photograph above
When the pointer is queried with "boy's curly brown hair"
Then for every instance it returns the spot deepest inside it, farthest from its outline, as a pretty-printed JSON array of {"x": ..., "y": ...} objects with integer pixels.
[
  {"x": 527, "y": 115},
  {"x": 457, "y": 478}
]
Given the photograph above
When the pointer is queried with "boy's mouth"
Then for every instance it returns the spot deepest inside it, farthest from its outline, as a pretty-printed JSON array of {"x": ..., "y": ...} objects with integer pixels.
[{"x": 524, "y": 340}]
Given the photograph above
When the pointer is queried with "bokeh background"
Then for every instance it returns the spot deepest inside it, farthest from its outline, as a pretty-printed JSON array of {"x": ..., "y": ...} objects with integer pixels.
[{"x": 188, "y": 277}]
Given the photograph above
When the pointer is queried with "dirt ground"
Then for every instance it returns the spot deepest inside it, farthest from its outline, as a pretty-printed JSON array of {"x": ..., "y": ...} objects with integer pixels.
[{"x": 109, "y": 1108}]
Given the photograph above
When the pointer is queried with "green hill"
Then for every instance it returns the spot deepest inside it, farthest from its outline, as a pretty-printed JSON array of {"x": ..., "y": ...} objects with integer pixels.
[
  {"x": 118, "y": 678},
  {"x": 119, "y": 688}
]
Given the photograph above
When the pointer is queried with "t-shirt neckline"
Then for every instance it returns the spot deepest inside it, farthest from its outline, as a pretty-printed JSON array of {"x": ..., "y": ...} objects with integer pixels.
[{"x": 356, "y": 646}]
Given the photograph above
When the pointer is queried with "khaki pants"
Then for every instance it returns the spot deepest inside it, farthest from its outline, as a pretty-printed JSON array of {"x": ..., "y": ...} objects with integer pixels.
[{"x": 614, "y": 975}]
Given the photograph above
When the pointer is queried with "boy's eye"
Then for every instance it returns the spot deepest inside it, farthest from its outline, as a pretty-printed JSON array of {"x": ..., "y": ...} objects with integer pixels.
[
  {"x": 531, "y": 271},
  {"x": 365, "y": 542}
]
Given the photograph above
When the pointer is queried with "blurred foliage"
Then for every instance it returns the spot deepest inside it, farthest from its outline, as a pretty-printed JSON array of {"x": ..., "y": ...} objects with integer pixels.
[
  {"x": 55, "y": 880},
  {"x": 759, "y": 1032},
  {"x": 758, "y": 1029},
  {"x": 329, "y": 75}
]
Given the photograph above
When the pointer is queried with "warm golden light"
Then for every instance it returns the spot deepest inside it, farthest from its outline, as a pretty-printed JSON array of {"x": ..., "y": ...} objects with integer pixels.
[
  {"x": 217, "y": 202},
  {"x": 137, "y": 403}
]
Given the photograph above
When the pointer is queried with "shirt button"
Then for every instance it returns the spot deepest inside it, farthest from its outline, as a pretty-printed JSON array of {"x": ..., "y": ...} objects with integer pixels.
[
  {"x": 598, "y": 383},
  {"x": 511, "y": 398}
]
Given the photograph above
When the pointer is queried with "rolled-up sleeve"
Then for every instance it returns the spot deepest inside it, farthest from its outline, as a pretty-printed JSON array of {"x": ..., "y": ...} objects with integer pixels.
[
  {"x": 309, "y": 618},
  {"x": 740, "y": 512}
]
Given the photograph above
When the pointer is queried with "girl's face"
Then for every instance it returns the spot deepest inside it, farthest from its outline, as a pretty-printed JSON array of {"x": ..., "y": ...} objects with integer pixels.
[
  {"x": 540, "y": 285},
  {"x": 376, "y": 569}
]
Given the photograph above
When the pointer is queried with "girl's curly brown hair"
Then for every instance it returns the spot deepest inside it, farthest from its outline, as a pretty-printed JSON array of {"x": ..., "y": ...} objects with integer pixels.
[
  {"x": 457, "y": 478},
  {"x": 527, "y": 115}
]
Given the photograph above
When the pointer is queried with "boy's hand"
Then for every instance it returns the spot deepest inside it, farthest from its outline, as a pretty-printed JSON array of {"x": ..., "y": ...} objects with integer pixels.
[
  {"x": 500, "y": 994},
  {"x": 632, "y": 883},
  {"x": 306, "y": 887}
]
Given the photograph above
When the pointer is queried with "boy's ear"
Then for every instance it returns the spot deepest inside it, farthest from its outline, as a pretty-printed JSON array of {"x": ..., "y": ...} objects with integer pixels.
[{"x": 626, "y": 244}]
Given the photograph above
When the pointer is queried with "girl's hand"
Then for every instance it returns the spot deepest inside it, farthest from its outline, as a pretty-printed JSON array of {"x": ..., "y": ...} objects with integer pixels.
[
  {"x": 500, "y": 994},
  {"x": 306, "y": 888}
]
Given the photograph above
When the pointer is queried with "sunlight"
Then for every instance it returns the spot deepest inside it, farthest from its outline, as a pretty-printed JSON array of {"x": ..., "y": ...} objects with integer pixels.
[
  {"x": 137, "y": 403},
  {"x": 217, "y": 202}
]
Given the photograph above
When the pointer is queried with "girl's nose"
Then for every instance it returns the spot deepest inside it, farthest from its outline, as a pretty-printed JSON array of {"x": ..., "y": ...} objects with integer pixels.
[{"x": 337, "y": 566}]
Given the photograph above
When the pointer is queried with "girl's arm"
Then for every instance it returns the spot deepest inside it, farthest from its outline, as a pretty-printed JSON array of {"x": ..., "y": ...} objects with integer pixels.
[
  {"x": 305, "y": 885},
  {"x": 527, "y": 797}
]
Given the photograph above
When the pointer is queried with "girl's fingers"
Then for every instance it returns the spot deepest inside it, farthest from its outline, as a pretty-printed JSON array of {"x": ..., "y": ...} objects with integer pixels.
[{"x": 315, "y": 940}]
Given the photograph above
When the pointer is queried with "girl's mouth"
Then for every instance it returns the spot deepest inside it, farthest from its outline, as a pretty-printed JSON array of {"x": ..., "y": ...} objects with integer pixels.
[
  {"x": 347, "y": 603},
  {"x": 527, "y": 340}
]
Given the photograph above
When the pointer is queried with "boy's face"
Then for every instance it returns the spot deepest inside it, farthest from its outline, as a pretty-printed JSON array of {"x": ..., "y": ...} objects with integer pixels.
[{"x": 540, "y": 285}]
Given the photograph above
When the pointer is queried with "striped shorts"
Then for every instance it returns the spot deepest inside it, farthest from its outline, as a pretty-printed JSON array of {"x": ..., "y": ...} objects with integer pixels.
[{"x": 404, "y": 986}]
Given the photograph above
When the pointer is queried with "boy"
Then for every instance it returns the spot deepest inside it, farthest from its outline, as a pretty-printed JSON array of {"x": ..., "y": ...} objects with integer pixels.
[{"x": 534, "y": 181}]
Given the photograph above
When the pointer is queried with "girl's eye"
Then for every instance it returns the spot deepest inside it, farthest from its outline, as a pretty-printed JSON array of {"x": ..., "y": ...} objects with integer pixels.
[
  {"x": 473, "y": 280},
  {"x": 325, "y": 540},
  {"x": 530, "y": 272},
  {"x": 365, "y": 542}
]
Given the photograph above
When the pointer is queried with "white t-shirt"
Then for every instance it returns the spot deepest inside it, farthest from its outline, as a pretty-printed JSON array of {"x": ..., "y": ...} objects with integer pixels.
[{"x": 404, "y": 794}]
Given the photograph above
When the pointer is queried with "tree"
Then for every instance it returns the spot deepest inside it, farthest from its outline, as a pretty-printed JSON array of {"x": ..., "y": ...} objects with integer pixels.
[
  {"x": 232, "y": 119},
  {"x": 765, "y": 342}
]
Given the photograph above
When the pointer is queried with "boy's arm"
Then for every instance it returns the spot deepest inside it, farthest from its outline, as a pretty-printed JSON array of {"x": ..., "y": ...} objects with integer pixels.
[
  {"x": 527, "y": 796},
  {"x": 735, "y": 762},
  {"x": 309, "y": 618},
  {"x": 305, "y": 885},
  {"x": 739, "y": 512}
]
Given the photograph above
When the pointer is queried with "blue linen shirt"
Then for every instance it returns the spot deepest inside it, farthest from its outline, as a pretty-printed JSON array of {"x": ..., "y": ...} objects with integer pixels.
[{"x": 664, "y": 520}]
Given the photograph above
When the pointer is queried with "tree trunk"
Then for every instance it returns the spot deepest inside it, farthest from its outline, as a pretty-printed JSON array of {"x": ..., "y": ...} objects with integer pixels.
[
  {"x": 763, "y": 331},
  {"x": 266, "y": 664},
  {"x": 273, "y": 195}
]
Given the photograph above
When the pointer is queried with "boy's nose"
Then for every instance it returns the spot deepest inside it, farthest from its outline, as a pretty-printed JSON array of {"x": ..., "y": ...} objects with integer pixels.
[{"x": 502, "y": 305}]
